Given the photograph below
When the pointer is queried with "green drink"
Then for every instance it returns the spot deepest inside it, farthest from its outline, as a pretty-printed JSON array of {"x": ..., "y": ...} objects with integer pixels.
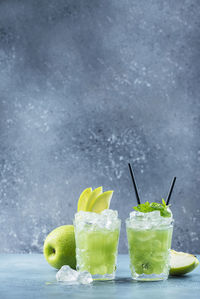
[
  {"x": 97, "y": 237},
  {"x": 149, "y": 239}
]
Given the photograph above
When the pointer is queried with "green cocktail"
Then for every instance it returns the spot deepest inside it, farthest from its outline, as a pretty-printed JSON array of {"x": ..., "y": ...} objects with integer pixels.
[
  {"x": 97, "y": 237},
  {"x": 149, "y": 240}
]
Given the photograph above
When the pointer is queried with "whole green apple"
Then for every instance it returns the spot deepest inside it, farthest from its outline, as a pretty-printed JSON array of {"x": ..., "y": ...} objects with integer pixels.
[{"x": 60, "y": 248}]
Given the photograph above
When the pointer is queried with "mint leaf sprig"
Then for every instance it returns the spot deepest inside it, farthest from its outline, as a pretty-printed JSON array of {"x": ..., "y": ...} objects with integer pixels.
[{"x": 154, "y": 206}]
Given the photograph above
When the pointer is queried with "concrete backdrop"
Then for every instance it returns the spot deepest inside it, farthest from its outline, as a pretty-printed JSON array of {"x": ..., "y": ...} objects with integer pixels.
[{"x": 85, "y": 87}]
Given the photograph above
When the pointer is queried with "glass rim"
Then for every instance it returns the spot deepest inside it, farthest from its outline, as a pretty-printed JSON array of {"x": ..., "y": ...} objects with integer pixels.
[
  {"x": 90, "y": 226},
  {"x": 156, "y": 225}
]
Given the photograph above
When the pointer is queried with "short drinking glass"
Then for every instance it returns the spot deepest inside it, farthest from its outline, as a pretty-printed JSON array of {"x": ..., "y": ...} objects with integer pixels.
[
  {"x": 149, "y": 241},
  {"x": 97, "y": 237}
]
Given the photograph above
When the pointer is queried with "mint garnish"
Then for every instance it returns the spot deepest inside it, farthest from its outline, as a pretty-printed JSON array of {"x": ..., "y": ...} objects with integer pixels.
[{"x": 154, "y": 206}]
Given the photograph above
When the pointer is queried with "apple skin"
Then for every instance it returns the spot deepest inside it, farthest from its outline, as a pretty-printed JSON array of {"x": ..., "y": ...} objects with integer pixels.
[
  {"x": 183, "y": 270},
  {"x": 60, "y": 248}
]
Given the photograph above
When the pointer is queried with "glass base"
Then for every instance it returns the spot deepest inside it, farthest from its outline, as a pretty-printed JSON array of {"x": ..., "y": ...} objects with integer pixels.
[
  {"x": 104, "y": 276},
  {"x": 149, "y": 277}
]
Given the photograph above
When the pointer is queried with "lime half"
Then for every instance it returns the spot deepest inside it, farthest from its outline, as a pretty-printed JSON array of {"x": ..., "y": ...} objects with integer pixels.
[{"x": 182, "y": 263}]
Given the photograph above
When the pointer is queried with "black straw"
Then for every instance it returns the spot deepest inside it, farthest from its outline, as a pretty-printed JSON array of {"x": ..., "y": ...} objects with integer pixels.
[
  {"x": 170, "y": 192},
  {"x": 134, "y": 183}
]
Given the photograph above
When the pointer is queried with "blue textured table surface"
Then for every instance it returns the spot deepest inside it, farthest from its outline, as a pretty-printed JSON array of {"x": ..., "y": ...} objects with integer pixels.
[{"x": 29, "y": 276}]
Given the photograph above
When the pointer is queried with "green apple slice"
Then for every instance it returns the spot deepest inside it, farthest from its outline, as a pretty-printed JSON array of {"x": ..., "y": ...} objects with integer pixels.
[
  {"x": 182, "y": 263},
  {"x": 82, "y": 202},
  {"x": 92, "y": 197},
  {"x": 102, "y": 202}
]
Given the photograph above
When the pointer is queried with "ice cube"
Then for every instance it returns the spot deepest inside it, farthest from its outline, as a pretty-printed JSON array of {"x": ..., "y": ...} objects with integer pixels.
[
  {"x": 106, "y": 219},
  {"x": 85, "y": 277},
  {"x": 88, "y": 219},
  {"x": 154, "y": 215},
  {"x": 70, "y": 276},
  {"x": 168, "y": 210},
  {"x": 86, "y": 216},
  {"x": 67, "y": 274},
  {"x": 109, "y": 219},
  {"x": 136, "y": 215},
  {"x": 112, "y": 214}
]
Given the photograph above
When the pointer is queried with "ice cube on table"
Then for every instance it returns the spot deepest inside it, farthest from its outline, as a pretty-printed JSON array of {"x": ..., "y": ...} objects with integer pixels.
[
  {"x": 85, "y": 277},
  {"x": 70, "y": 276},
  {"x": 67, "y": 274}
]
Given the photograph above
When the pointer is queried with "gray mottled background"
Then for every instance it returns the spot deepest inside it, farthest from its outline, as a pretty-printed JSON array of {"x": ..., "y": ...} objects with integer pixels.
[{"x": 85, "y": 87}]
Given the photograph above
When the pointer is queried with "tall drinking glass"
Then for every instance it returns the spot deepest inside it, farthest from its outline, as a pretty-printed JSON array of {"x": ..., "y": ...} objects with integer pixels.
[
  {"x": 149, "y": 241},
  {"x": 97, "y": 237}
]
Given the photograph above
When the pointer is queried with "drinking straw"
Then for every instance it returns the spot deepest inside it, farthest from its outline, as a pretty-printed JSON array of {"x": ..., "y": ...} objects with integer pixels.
[
  {"x": 170, "y": 192},
  {"x": 134, "y": 184}
]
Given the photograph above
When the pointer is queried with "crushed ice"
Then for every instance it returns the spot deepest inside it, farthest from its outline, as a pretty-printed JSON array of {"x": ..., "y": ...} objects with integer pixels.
[
  {"x": 70, "y": 276},
  {"x": 106, "y": 219},
  {"x": 149, "y": 220}
]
